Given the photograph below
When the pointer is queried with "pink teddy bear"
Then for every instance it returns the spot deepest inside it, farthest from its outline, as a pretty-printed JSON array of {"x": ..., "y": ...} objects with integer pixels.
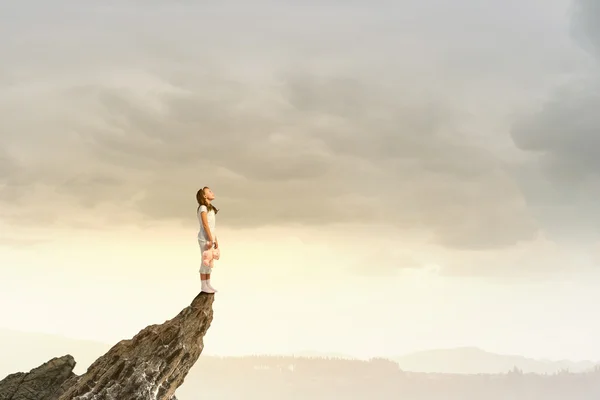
[{"x": 208, "y": 257}]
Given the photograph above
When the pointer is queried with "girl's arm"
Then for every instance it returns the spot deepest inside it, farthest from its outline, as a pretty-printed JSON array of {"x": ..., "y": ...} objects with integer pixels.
[{"x": 205, "y": 224}]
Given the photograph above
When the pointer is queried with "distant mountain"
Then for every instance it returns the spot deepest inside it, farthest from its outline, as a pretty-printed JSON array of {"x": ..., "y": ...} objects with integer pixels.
[
  {"x": 472, "y": 360},
  {"x": 21, "y": 351},
  {"x": 321, "y": 354}
]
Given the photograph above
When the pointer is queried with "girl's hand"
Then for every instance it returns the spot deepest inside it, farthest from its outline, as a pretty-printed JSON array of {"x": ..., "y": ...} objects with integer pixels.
[{"x": 216, "y": 245}]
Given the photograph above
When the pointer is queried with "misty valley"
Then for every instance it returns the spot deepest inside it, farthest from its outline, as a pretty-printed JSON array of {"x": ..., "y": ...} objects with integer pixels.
[{"x": 290, "y": 378}]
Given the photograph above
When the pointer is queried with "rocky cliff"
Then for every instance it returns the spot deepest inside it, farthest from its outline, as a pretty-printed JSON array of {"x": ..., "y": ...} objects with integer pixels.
[
  {"x": 149, "y": 366},
  {"x": 42, "y": 382}
]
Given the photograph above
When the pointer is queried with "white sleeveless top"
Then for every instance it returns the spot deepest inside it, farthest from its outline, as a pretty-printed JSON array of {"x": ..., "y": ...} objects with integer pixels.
[{"x": 210, "y": 216}]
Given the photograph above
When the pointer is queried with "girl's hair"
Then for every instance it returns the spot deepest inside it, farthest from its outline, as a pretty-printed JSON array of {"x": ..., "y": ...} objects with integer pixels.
[{"x": 202, "y": 201}]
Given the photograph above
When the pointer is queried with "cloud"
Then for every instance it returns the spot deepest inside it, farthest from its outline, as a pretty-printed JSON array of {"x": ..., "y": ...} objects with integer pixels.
[
  {"x": 329, "y": 125},
  {"x": 540, "y": 259},
  {"x": 7, "y": 167},
  {"x": 312, "y": 150},
  {"x": 560, "y": 179},
  {"x": 586, "y": 14},
  {"x": 385, "y": 260}
]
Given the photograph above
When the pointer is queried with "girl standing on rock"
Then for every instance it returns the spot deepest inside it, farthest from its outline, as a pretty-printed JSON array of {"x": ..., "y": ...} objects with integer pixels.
[{"x": 206, "y": 236}]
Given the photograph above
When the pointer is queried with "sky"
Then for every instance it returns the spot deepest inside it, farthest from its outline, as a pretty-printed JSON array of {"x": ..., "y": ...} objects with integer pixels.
[{"x": 392, "y": 176}]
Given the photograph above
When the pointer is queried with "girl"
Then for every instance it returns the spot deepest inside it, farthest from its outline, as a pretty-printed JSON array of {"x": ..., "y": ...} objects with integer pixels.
[{"x": 206, "y": 236}]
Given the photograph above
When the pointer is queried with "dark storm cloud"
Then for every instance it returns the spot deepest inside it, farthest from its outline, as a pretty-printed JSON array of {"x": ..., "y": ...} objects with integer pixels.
[
  {"x": 586, "y": 27},
  {"x": 292, "y": 125},
  {"x": 565, "y": 133},
  {"x": 563, "y": 138}
]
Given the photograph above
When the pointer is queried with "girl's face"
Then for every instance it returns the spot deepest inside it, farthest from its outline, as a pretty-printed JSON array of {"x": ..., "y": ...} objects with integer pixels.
[{"x": 209, "y": 194}]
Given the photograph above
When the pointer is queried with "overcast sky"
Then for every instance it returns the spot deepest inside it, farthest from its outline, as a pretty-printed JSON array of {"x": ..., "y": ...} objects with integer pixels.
[{"x": 429, "y": 158}]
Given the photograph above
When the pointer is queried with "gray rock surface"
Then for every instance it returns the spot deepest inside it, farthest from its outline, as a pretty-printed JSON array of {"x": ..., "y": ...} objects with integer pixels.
[
  {"x": 149, "y": 366},
  {"x": 41, "y": 383}
]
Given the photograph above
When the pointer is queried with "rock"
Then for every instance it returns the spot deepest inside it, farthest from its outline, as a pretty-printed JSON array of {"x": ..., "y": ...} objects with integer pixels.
[
  {"x": 41, "y": 383},
  {"x": 149, "y": 366}
]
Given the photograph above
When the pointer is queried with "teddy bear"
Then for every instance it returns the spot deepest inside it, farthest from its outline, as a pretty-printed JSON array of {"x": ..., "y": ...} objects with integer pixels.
[{"x": 208, "y": 257}]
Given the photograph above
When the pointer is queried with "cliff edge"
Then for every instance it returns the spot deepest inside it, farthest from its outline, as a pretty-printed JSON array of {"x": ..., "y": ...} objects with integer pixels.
[{"x": 149, "y": 366}]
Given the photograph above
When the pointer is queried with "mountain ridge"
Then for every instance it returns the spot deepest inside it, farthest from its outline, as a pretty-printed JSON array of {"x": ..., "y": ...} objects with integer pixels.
[
  {"x": 39, "y": 347},
  {"x": 470, "y": 360}
]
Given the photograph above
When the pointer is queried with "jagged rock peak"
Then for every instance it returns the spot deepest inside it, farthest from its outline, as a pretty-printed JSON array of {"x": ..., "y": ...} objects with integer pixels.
[
  {"x": 152, "y": 364},
  {"x": 149, "y": 366},
  {"x": 40, "y": 383}
]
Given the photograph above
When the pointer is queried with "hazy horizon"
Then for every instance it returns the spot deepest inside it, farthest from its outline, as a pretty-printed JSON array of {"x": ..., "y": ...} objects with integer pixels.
[
  {"x": 315, "y": 352},
  {"x": 24, "y": 351},
  {"x": 392, "y": 177}
]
